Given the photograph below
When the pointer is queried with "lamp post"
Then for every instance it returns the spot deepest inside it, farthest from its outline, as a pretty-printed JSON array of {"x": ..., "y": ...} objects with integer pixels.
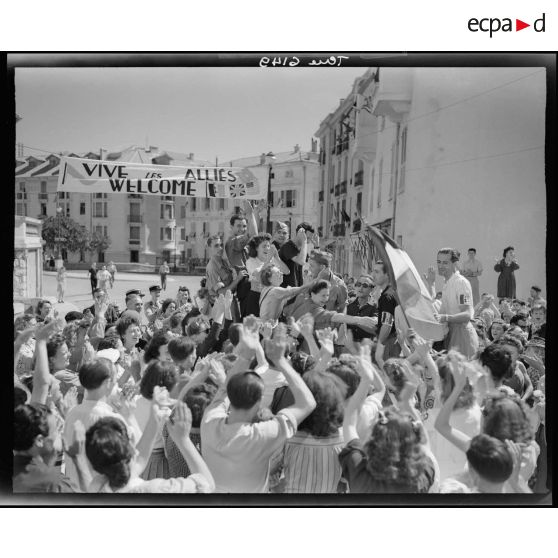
[
  {"x": 271, "y": 158},
  {"x": 58, "y": 214},
  {"x": 175, "y": 229}
]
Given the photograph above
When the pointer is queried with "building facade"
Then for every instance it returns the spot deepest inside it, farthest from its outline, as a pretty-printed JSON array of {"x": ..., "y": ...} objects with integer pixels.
[
  {"x": 151, "y": 229},
  {"x": 439, "y": 157}
]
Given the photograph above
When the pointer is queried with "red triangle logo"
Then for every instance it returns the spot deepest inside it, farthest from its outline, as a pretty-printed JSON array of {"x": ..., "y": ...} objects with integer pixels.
[{"x": 519, "y": 25}]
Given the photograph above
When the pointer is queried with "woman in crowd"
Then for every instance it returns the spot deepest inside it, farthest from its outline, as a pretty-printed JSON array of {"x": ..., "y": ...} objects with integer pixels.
[
  {"x": 261, "y": 253},
  {"x": 44, "y": 310},
  {"x": 497, "y": 329},
  {"x": 506, "y": 267}
]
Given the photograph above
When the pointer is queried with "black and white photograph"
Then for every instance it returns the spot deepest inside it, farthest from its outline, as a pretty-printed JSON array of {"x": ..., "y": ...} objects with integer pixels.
[{"x": 265, "y": 278}]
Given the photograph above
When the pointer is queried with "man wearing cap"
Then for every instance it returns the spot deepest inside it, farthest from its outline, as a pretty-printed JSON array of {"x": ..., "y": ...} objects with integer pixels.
[
  {"x": 134, "y": 302},
  {"x": 320, "y": 262},
  {"x": 152, "y": 307},
  {"x": 294, "y": 253}
]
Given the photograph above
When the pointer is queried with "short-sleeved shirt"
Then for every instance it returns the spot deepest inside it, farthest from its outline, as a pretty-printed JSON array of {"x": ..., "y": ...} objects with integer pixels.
[
  {"x": 32, "y": 475},
  {"x": 238, "y": 455},
  {"x": 386, "y": 309},
  {"x": 455, "y": 293},
  {"x": 271, "y": 303},
  {"x": 288, "y": 251},
  {"x": 366, "y": 310},
  {"x": 353, "y": 461},
  {"x": 164, "y": 269},
  {"x": 235, "y": 249},
  {"x": 322, "y": 317}
]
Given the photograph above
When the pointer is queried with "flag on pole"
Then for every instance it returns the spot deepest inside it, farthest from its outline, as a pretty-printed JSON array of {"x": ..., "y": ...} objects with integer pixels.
[{"x": 414, "y": 298}]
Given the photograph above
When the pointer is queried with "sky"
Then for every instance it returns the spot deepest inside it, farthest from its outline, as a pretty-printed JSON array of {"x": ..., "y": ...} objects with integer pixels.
[{"x": 212, "y": 112}]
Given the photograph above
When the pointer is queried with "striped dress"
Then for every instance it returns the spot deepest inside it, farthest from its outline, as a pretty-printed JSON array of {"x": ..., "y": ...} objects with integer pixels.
[{"x": 311, "y": 465}]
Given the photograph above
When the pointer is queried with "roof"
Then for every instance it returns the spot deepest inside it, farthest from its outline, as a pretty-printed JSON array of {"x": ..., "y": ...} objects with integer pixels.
[{"x": 283, "y": 157}]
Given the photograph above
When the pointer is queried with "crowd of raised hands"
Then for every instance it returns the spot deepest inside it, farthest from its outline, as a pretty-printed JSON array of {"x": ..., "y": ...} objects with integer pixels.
[{"x": 251, "y": 412}]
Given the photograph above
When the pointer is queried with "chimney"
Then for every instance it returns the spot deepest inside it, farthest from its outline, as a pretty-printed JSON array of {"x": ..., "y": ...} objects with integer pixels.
[
  {"x": 314, "y": 145},
  {"x": 191, "y": 156},
  {"x": 262, "y": 159},
  {"x": 296, "y": 148}
]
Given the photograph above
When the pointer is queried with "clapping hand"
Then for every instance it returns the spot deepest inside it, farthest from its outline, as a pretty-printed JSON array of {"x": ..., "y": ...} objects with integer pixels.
[
  {"x": 327, "y": 337},
  {"x": 430, "y": 275},
  {"x": 249, "y": 338},
  {"x": 275, "y": 348},
  {"x": 77, "y": 447},
  {"x": 179, "y": 421}
]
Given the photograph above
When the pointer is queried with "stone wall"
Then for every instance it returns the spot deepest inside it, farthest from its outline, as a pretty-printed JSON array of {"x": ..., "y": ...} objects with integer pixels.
[{"x": 20, "y": 273}]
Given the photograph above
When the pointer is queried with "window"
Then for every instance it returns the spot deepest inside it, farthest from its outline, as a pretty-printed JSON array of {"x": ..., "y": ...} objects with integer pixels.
[
  {"x": 167, "y": 211},
  {"x": 205, "y": 228},
  {"x": 221, "y": 204},
  {"x": 43, "y": 209},
  {"x": 221, "y": 229},
  {"x": 100, "y": 209},
  {"x": 359, "y": 203},
  {"x": 372, "y": 177},
  {"x": 290, "y": 198},
  {"x": 101, "y": 230},
  {"x": 289, "y": 173},
  {"x": 167, "y": 198},
  {"x": 67, "y": 212},
  {"x": 402, "y": 160},
  {"x": 193, "y": 229},
  {"x": 183, "y": 212},
  {"x": 21, "y": 209},
  {"x": 392, "y": 171},
  {"x": 82, "y": 208},
  {"x": 193, "y": 204},
  {"x": 22, "y": 187},
  {"x": 134, "y": 256},
  {"x": 43, "y": 187},
  {"x": 63, "y": 195},
  {"x": 182, "y": 233},
  {"x": 380, "y": 170},
  {"x": 166, "y": 234},
  {"x": 100, "y": 196},
  {"x": 207, "y": 204},
  {"x": 134, "y": 235}
]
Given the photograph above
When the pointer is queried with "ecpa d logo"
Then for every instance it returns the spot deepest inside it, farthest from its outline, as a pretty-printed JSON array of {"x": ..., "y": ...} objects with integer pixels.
[{"x": 494, "y": 24}]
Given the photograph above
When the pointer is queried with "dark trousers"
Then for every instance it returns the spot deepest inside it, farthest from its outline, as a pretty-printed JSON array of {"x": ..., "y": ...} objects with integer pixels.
[{"x": 164, "y": 281}]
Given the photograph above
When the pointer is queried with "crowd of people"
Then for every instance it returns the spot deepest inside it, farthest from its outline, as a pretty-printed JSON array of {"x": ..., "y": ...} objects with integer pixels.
[{"x": 280, "y": 376}]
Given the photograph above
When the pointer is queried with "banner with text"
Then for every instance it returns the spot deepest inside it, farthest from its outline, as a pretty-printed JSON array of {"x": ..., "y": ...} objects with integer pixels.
[{"x": 109, "y": 177}]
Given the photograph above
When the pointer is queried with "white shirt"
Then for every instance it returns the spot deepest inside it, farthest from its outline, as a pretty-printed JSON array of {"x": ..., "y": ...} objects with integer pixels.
[
  {"x": 455, "y": 293},
  {"x": 88, "y": 412},
  {"x": 238, "y": 455},
  {"x": 272, "y": 303}
]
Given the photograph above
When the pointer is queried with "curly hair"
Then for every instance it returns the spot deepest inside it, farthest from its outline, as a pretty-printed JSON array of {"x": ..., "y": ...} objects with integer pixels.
[
  {"x": 512, "y": 341},
  {"x": 54, "y": 343},
  {"x": 198, "y": 398},
  {"x": 154, "y": 346},
  {"x": 109, "y": 450},
  {"x": 345, "y": 370},
  {"x": 302, "y": 362},
  {"x": 22, "y": 322},
  {"x": 30, "y": 421},
  {"x": 255, "y": 241},
  {"x": 395, "y": 452},
  {"x": 329, "y": 392},
  {"x": 124, "y": 323},
  {"x": 165, "y": 304},
  {"x": 497, "y": 321},
  {"x": 157, "y": 373},
  {"x": 506, "y": 417},
  {"x": 466, "y": 398},
  {"x": 395, "y": 374}
]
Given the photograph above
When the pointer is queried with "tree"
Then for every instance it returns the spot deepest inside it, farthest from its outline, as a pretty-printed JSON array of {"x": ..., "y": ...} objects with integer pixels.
[
  {"x": 75, "y": 237},
  {"x": 98, "y": 242}
]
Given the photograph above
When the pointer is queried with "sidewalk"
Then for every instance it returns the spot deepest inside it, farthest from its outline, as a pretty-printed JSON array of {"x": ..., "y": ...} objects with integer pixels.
[{"x": 126, "y": 276}]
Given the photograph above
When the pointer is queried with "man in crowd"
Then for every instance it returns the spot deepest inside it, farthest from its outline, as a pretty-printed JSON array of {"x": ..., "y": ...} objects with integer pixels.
[
  {"x": 457, "y": 305},
  {"x": 152, "y": 307},
  {"x": 535, "y": 297},
  {"x": 319, "y": 262},
  {"x": 294, "y": 253},
  {"x": 163, "y": 272},
  {"x": 92, "y": 274},
  {"x": 281, "y": 235},
  {"x": 387, "y": 345},
  {"x": 472, "y": 269},
  {"x": 242, "y": 230}
]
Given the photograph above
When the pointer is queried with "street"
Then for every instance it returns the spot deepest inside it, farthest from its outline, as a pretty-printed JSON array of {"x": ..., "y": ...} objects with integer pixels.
[{"x": 78, "y": 288}]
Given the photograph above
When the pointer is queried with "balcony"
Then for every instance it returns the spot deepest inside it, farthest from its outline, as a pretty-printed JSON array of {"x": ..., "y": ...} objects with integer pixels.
[
  {"x": 321, "y": 196},
  {"x": 359, "y": 178},
  {"x": 357, "y": 225},
  {"x": 43, "y": 197},
  {"x": 21, "y": 196},
  {"x": 343, "y": 187},
  {"x": 135, "y": 218},
  {"x": 134, "y": 241},
  {"x": 135, "y": 197},
  {"x": 339, "y": 229}
]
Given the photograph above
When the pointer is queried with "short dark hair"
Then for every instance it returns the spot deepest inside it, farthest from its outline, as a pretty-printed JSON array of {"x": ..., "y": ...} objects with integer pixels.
[
  {"x": 194, "y": 312},
  {"x": 109, "y": 450},
  {"x": 320, "y": 286},
  {"x": 536, "y": 288},
  {"x": 212, "y": 239},
  {"x": 244, "y": 390},
  {"x": 181, "y": 348},
  {"x": 166, "y": 302},
  {"x": 109, "y": 342},
  {"x": 255, "y": 241},
  {"x": 306, "y": 226},
  {"x": 176, "y": 318},
  {"x": 73, "y": 315},
  {"x": 490, "y": 458},
  {"x": 380, "y": 262},
  {"x": 472, "y": 250},
  {"x": 154, "y": 346},
  {"x": 521, "y": 315},
  {"x": 197, "y": 399},
  {"x": 54, "y": 343},
  {"x": 98, "y": 290},
  {"x": 498, "y": 361},
  {"x": 346, "y": 373},
  {"x": 158, "y": 373},
  {"x": 511, "y": 340},
  {"x": 266, "y": 273},
  {"x": 507, "y": 249},
  {"x": 196, "y": 327},
  {"x": 234, "y": 333},
  {"x": 452, "y": 252},
  {"x": 236, "y": 217},
  {"x": 92, "y": 374},
  {"x": 30, "y": 421},
  {"x": 124, "y": 323},
  {"x": 41, "y": 303}
]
